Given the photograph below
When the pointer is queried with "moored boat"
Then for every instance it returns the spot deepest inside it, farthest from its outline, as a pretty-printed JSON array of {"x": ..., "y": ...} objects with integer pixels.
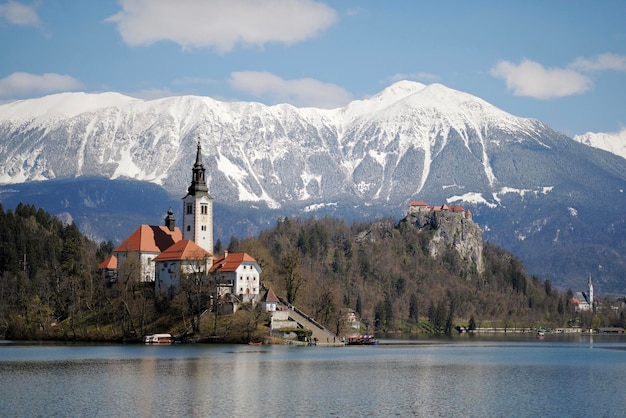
[
  {"x": 158, "y": 339},
  {"x": 362, "y": 340}
]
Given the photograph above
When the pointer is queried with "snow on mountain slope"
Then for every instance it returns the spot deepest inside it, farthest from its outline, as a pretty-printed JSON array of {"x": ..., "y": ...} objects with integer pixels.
[
  {"x": 614, "y": 142},
  {"x": 394, "y": 145},
  {"x": 59, "y": 106}
]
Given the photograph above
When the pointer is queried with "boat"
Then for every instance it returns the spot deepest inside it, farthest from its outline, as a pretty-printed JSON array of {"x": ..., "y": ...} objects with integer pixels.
[
  {"x": 362, "y": 340},
  {"x": 255, "y": 342},
  {"x": 158, "y": 339},
  {"x": 541, "y": 334}
]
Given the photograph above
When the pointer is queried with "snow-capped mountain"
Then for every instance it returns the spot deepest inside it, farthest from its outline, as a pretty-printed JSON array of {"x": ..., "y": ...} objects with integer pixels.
[
  {"x": 532, "y": 189},
  {"x": 614, "y": 142}
]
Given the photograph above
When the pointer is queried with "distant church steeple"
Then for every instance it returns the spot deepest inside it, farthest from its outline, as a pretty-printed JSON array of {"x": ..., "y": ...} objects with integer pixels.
[
  {"x": 198, "y": 208},
  {"x": 590, "y": 292}
]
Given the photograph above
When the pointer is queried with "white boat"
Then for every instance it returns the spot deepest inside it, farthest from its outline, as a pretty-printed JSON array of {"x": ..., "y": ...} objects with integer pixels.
[{"x": 158, "y": 339}]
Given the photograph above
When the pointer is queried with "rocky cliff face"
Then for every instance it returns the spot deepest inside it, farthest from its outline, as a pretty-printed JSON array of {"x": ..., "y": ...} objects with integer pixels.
[{"x": 452, "y": 230}]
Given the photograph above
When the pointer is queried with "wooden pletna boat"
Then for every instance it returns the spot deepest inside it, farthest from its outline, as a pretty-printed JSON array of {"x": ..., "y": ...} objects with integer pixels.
[
  {"x": 362, "y": 340},
  {"x": 158, "y": 339}
]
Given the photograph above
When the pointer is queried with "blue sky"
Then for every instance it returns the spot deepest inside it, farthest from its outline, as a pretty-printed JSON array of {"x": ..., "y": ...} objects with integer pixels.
[{"x": 562, "y": 62}]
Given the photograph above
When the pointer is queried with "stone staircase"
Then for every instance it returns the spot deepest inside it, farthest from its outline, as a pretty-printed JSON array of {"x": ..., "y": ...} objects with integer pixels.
[{"x": 320, "y": 336}]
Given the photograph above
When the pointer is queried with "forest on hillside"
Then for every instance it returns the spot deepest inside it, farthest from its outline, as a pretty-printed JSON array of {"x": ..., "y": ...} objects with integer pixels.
[{"x": 50, "y": 286}]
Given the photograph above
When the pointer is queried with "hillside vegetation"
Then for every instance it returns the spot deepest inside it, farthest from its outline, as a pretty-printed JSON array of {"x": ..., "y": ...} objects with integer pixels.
[{"x": 50, "y": 287}]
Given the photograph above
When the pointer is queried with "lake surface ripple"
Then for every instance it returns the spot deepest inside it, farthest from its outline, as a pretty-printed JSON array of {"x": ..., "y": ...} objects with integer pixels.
[{"x": 576, "y": 377}]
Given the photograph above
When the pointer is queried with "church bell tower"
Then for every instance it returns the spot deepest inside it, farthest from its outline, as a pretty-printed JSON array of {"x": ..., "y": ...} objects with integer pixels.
[{"x": 198, "y": 208}]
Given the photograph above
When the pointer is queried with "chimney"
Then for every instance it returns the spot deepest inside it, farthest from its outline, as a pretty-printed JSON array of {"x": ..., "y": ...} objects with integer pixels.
[
  {"x": 225, "y": 254},
  {"x": 170, "y": 221}
]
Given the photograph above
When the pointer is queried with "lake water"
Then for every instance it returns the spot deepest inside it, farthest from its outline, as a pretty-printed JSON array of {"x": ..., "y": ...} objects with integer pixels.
[{"x": 574, "y": 377}]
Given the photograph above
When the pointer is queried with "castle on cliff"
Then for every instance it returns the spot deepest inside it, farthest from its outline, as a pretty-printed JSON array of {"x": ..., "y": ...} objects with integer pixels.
[{"x": 422, "y": 207}]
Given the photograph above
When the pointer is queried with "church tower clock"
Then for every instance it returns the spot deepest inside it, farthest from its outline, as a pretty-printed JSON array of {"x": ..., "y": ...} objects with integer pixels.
[{"x": 198, "y": 208}]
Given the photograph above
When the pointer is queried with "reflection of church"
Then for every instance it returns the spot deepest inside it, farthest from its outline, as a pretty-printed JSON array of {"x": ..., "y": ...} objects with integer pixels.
[{"x": 162, "y": 254}]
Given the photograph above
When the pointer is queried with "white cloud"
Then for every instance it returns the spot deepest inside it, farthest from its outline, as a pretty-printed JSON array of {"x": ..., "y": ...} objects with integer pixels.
[
  {"x": 19, "y": 14},
  {"x": 24, "y": 84},
  {"x": 600, "y": 63},
  {"x": 532, "y": 79},
  {"x": 221, "y": 24},
  {"x": 300, "y": 92}
]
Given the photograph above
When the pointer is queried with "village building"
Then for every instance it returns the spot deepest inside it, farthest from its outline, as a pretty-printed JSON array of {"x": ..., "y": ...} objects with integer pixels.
[
  {"x": 109, "y": 269},
  {"x": 136, "y": 253},
  {"x": 185, "y": 259},
  {"x": 583, "y": 301},
  {"x": 237, "y": 274},
  {"x": 270, "y": 301}
]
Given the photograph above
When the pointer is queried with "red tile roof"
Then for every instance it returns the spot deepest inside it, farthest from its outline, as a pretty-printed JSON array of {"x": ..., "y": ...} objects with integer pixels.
[
  {"x": 183, "y": 250},
  {"x": 418, "y": 203},
  {"x": 150, "y": 238},
  {"x": 231, "y": 261},
  {"x": 109, "y": 263},
  {"x": 271, "y": 296}
]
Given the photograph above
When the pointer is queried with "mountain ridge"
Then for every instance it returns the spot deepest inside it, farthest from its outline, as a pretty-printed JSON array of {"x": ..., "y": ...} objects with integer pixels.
[{"x": 521, "y": 179}]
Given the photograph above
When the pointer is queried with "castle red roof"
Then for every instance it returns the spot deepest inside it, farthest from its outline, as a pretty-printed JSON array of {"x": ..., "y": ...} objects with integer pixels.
[{"x": 418, "y": 203}]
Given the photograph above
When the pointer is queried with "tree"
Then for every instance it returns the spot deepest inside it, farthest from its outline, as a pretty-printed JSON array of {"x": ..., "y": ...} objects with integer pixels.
[
  {"x": 290, "y": 264},
  {"x": 195, "y": 287},
  {"x": 413, "y": 309},
  {"x": 472, "y": 323}
]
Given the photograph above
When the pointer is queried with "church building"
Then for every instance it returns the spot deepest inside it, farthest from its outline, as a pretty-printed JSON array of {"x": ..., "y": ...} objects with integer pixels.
[{"x": 164, "y": 254}]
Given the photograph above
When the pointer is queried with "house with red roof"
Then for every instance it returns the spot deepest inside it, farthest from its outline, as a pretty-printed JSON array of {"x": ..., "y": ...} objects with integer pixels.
[
  {"x": 184, "y": 259},
  {"x": 270, "y": 302},
  {"x": 136, "y": 253},
  {"x": 109, "y": 269},
  {"x": 238, "y": 274},
  {"x": 418, "y": 206}
]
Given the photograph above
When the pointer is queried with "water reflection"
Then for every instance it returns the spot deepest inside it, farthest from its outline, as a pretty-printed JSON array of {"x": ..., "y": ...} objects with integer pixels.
[{"x": 472, "y": 378}]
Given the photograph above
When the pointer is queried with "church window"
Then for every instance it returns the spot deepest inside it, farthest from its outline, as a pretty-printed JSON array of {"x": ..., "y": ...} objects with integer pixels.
[
  {"x": 188, "y": 227},
  {"x": 204, "y": 227},
  {"x": 189, "y": 209},
  {"x": 204, "y": 209}
]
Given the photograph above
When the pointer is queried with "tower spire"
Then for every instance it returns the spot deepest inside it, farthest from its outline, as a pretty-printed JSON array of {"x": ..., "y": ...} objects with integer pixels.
[
  {"x": 590, "y": 291},
  {"x": 198, "y": 207},
  {"x": 198, "y": 182}
]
